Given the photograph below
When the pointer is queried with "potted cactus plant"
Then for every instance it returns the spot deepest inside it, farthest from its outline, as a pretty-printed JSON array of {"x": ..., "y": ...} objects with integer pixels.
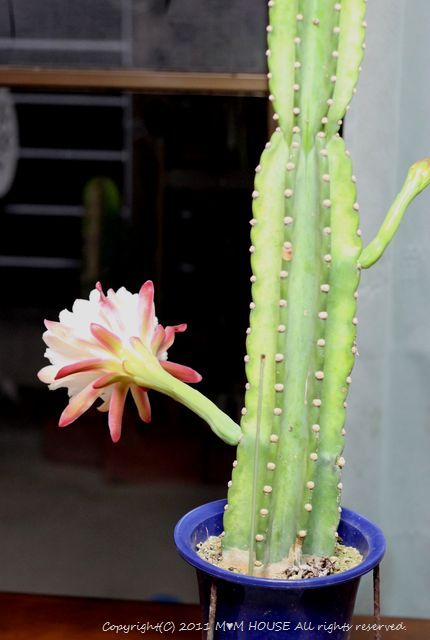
[{"x": 284, "y": 498}]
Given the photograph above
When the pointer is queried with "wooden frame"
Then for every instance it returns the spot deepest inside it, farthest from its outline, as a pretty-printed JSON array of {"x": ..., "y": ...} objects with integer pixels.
[{"x": 133, "y": 80}]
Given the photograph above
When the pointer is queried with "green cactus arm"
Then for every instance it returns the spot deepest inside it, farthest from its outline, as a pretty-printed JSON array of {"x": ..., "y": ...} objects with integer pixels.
[
  {"x": 315, "y": 54},
  {"x": 350, "y": 50},
  {"x": 267, "y": 231},
  {"x": 338, "y": 350},
  {"x": 417, "y": 179},
  {"x": 305, "y": 274},
  {"x": 281, "y": 56}
]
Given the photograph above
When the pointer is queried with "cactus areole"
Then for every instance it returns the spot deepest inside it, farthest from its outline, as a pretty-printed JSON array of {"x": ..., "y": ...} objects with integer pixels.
[{"x": 306, "y": 257}]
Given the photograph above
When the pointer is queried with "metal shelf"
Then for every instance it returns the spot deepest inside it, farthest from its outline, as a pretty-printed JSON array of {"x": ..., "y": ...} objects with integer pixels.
[
  {"x": 99, "y": 155},
  {"x": 39, "y": 262},
  {"x": 43, "y": 210}
]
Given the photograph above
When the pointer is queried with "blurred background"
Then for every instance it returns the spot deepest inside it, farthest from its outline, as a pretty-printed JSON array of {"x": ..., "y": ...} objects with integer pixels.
[{"x": 129, "y": 133}]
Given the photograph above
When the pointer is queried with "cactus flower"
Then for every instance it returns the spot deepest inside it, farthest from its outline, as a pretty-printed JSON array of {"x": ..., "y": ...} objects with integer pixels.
[{"x": 112, "y": 344}]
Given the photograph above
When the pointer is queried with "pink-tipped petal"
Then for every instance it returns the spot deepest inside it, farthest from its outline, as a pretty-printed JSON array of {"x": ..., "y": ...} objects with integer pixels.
[
  {"x": 138, "y": 345},
  {"x": 101, "y": 292},
  {"x": 78, "y": 405},
  {"x": 83, "y": 365},
  {"x": 157, "y": 339},
  {"x": 186, "y": 374},
  {"x": 106, "y": 338},
  {"x": 116, "y": 410},
  {"x": 106, "y": 380},
  {"x": 141, "y": 399},
  {"x": 146, "y": 310},
  {"x": 169, "y": 336},
  {"x": 110, "y": 309}
]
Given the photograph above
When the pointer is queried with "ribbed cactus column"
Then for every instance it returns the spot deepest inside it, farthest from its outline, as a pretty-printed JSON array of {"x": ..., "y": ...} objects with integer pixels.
[{"x": 302, "y": 272}]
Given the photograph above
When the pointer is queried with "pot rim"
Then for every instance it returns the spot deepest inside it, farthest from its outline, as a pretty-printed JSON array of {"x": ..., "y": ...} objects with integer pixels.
[{"x": 186, "y": 526}]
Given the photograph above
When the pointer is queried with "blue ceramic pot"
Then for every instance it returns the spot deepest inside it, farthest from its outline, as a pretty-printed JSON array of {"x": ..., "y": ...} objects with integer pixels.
[{"x": 262, "y": 608}]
